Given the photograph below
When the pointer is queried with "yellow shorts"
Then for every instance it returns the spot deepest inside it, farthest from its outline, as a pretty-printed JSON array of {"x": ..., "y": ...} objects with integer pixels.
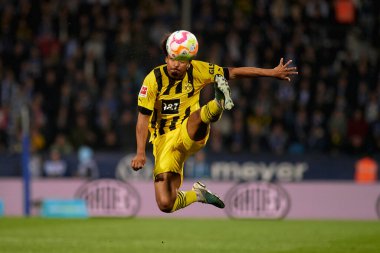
[{"x": 173, "y": 148}]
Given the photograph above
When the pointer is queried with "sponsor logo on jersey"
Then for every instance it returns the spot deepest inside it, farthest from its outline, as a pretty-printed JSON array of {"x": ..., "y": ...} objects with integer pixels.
[
  {"x": 211, "y": 68},
  {"x": 143, "y": 91},
  {"x": 170, "y": 106}
]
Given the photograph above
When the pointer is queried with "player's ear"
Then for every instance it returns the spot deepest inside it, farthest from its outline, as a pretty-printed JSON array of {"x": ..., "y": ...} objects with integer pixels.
[{"x": 166, "y": 60}]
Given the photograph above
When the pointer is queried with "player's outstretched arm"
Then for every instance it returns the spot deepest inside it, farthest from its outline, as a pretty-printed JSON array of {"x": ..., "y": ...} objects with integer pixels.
[
  {"x": 139, "y": 160},
  {"x": 281, "y": 71}
]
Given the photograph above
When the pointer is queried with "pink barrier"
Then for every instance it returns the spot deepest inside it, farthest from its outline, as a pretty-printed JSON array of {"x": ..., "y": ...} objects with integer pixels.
[{"x": 304, "y": 200}]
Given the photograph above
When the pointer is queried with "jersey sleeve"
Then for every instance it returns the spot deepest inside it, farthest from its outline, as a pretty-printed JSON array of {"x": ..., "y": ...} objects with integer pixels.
[
  {"x": 218, "y": 70},
  {"x": 208, "y": 71},
  {"x": 147, "y": 95}
]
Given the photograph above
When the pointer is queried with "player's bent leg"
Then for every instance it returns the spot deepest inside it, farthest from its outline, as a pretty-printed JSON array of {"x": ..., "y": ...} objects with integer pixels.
[
  {"x": 184, "y": 198},
  {"x": 196, "y": 128},
  {"x": 166, "y": 186},
  {"x": 199, "y": 121},
  {"x": 170, "y": 199},
  {"x": 168, "y": 196},
  {"x": 211, "y": 112}
]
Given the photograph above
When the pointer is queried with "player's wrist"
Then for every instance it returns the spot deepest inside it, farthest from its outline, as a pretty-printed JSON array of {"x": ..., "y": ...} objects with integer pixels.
[
  {"x": 272, "y": 72},
  {"x": 140, "y": 152}
]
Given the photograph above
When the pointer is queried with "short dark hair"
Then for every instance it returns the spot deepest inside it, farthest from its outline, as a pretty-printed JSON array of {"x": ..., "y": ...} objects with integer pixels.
[{"x": 163, "y": 43}]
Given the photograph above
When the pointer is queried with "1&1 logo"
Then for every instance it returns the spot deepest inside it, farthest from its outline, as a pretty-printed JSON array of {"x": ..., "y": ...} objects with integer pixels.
[
  {"x": 110, "y": 197},
  {"x": 257, "y": 200}
]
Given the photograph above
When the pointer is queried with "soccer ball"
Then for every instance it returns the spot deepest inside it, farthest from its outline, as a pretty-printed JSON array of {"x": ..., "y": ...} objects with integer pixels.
[{"x": 182, "y": 45}]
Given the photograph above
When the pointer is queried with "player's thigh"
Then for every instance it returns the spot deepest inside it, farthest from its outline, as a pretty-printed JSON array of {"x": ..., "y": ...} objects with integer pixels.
[
  {"x": 166, "y": 185},
  {"x": 167, "y": 157},
  {"x": 172, "y": 149},
  {"x": 186, "y": 144}
]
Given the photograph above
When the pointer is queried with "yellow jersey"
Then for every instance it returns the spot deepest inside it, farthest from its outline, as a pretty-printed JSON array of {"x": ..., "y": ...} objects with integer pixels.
[{"x": 170, "y": 101}]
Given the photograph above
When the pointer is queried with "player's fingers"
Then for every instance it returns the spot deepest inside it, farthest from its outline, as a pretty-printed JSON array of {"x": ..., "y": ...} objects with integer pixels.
[
  {"x": 281, "y": 61},
  {"x": 286, "y": 64},
  {"x": 135, "y": 165},
  {"x": 291, "y": 69}
]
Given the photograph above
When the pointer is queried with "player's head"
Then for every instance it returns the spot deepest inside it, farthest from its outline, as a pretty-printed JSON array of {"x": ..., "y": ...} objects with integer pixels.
[{"x": 179, "y": 47}]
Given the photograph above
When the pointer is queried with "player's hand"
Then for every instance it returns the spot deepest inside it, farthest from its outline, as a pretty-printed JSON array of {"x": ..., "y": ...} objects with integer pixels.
[
  {"x": 283, "y": 71},
  {"x": 138, "y": 161}
]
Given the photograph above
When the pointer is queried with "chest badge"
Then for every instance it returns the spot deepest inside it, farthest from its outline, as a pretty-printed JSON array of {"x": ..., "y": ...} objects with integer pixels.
[{"x": 188, "y": 87}]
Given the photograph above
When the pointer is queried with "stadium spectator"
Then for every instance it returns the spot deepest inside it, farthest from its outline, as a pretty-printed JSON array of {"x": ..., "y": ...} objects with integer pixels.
[
  {"x": 61, "y": 144},
  {"x": 63, "y": 57},
  {"x": 87, "y": 166},
  {"x": 357, "y": 132},
  {"x": 54, "y": 165}
]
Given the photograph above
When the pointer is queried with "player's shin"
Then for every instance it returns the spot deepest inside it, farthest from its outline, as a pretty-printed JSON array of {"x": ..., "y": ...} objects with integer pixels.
[
  {"x": 184, "y": 199},
  {"x": 211, "y": 112}
]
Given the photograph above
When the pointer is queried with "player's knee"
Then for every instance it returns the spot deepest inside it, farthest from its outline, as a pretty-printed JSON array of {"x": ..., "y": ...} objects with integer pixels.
[{"x": 165, "y": 205}]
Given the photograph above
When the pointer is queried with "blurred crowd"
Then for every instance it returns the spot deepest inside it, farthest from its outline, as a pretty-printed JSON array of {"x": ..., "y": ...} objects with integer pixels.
[{"x": 78, "y": 66}]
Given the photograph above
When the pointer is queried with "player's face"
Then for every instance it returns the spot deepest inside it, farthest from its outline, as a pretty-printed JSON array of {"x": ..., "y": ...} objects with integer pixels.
[{"x": 177, "y": 69}]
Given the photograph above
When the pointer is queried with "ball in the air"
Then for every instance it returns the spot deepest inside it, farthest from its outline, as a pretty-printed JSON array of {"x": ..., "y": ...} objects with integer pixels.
[{"x": 182, "y": 45}]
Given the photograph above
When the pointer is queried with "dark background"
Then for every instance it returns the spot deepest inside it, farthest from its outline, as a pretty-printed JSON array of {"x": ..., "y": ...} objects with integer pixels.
[{"x": 78, "y": 67}]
